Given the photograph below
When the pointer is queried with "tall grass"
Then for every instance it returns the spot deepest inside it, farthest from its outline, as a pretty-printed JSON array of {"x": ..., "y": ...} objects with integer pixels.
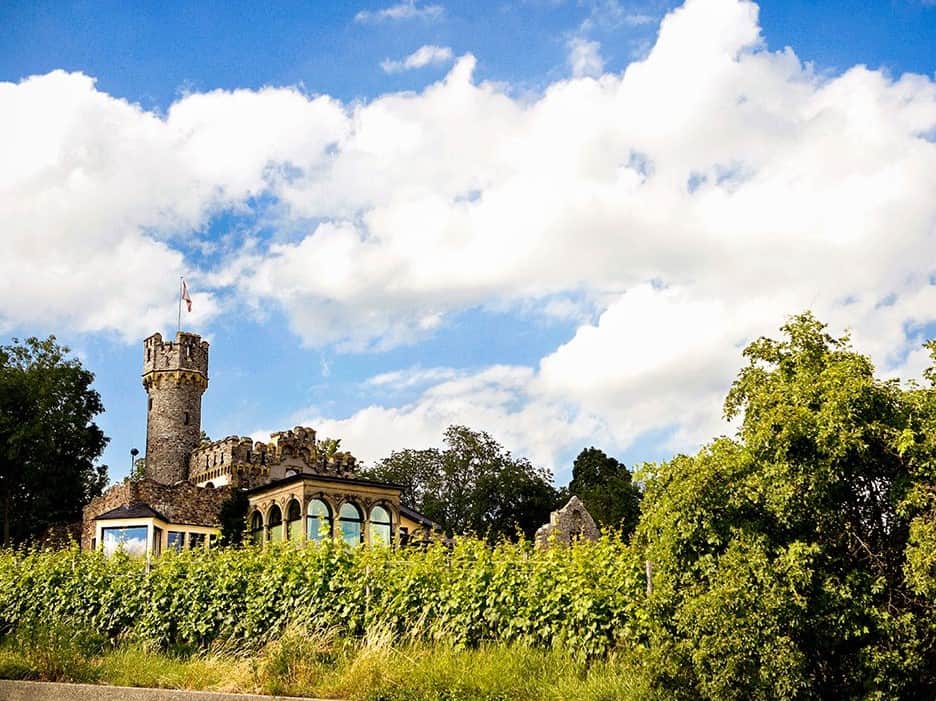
[{"x": 322, "y": 664}]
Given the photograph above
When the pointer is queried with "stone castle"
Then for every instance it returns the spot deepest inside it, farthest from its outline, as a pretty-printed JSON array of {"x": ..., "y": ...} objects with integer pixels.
[{"x": 295, "y": 489}]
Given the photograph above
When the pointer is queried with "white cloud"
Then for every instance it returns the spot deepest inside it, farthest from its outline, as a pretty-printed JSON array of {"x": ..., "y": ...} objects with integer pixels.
[
  {"x": 496, "y": 399},
  {"x": 421, "y": 57},
  {"x": 401, "y": 11},
  {"x": 585, "y": 58},
  {"x": 714, "y": 186},
  {"x": 412, "y": 377},
  {"x": 96, "y": 194},
  {"x": 610, "y": 14}
]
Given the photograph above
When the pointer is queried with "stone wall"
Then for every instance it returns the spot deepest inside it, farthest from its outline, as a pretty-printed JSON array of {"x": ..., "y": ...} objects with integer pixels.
[
  {"x": 175, "y": 375},
  {"x": 571, "y": 522},
  {"x": 181, "y": 503},
  {"x": 249, "y": 464}
]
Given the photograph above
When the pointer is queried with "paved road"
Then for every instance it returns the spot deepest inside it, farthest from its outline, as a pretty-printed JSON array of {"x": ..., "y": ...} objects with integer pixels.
[{"x": 46, "y": 691}]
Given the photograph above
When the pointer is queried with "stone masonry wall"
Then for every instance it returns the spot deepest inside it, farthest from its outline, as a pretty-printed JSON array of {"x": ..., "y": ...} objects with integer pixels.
[
  {"x": 250, "y": 464},
  {"x": 181, "y": 503},
  {"x": 175, "y": 375}
]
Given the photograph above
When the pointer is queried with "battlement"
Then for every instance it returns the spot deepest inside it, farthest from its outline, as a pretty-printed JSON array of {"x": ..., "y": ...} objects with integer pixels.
[
  {"x": 187, "y": 352},
  {"x": 241, "y": 461}
]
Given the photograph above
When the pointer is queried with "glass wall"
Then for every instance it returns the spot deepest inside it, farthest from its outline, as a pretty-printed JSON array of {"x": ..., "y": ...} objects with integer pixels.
[
  {"x": 294, "y": 520},
  {"x": 131, "y": 538},
  {"x": 276, "y": 524},
  {"x": 381, "y": 527},
  {"x": 256, "y": 528},
  {"x": 175, "y": 540},
  {"x": 351, "y": 524},
  {"x": 196, "y": 540},
  {"x": 318, "y": 520}
]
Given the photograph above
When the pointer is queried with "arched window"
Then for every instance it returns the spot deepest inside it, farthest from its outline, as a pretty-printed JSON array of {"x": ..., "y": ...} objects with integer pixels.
[
  {"x": 275, "y": 519},
  {"x": 351, "y": 524},
  {"x": 381, "y": 526},
  {"x": 318, "y": 520},
  {"x": 294, "y": 520},
  {"x": 256, "y": 528}
]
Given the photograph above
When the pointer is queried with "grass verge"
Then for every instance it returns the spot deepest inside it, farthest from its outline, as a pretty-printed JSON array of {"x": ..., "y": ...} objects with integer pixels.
[{"x": 298, "y": 663}]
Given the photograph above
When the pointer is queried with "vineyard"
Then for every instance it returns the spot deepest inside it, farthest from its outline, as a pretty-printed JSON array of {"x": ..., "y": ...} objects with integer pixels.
[{"x": 576, "y": 598}]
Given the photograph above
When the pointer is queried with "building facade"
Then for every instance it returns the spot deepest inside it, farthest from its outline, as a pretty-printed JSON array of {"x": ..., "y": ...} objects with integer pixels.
[{"x": 297, "y": 490}]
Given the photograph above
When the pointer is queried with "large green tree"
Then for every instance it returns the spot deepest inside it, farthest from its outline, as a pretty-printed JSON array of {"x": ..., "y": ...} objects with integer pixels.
[
  {"x": 472, "y": 485},
  {"x": 48, "y": 439},
  {"x": 777, "y": 560},
  {"x": 607, "y": 489}
]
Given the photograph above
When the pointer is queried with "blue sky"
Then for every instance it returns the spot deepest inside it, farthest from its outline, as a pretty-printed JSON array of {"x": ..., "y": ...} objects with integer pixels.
[{"x": 395, "y": 216}]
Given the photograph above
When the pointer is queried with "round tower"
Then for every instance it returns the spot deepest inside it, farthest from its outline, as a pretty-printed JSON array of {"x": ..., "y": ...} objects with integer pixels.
[{"x": 175, "y": 375}]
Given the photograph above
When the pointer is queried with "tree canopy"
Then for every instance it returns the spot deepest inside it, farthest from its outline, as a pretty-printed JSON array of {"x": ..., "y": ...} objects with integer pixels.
[
  {"x": 779, "y": 559},
  {"x": 48, "y": 439},
  {"x": 607, "y": 489},
  {"x": 472, "y": 485}
]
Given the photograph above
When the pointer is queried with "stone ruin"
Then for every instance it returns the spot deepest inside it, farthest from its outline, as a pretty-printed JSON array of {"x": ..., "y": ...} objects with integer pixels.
[{"x": 570, "y": 523}]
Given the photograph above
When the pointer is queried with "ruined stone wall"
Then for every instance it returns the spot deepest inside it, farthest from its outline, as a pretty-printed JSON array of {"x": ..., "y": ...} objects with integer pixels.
[
  {"x": 175, "y": 375},
  {"x": 181, "y": 503},
  {"x": 570, "y": 523}
]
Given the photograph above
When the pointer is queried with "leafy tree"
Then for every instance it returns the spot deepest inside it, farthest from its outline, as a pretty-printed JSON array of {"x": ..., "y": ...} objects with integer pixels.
[
  {"x": 472, "y": 485},
  {"x": 48, "y": 439},
  {"x": 777, "y": 558},
  {"x": 328, "y": 447},
  {"x": 607, "y": 489},
  {"x": 233, "y": 516},
  {"x": 138, "y": 472}
]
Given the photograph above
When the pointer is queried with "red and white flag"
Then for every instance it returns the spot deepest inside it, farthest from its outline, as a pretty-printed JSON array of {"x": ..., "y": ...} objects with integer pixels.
[{"x": 185, "y": 296}]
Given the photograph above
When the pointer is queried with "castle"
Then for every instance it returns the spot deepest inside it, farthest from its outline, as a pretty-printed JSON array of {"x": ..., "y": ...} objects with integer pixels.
[{"x": 296, "y": 490}]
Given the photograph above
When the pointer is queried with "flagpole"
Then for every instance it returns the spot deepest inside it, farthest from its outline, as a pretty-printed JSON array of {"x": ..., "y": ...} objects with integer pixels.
[{"x": 180, "y": 303}]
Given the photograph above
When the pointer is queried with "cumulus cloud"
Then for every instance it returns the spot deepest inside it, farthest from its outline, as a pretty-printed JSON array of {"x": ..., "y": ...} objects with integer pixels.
[
  {"x": 585, "y": 57},
  {"x": 497, "y": 399},
  {"x": 421, "y": 57},
  {"x": 698, "y": 197},
  {"x": 401, "y": 11},
  {"x": 97, "y": 195}
]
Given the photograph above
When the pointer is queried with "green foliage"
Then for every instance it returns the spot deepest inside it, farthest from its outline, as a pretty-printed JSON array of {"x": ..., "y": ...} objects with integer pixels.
[
  {"x": 778, "y": 558},
  {"x": 58, "y": 653},
  {"x": 233, "y": 516},
  {"x": 48, "y": 440},
  {"x": 474, "y": 485},
  {"x": 377, "y": 667},
  {"x": 328, "y": 447},
  {"x": 462, "y": 596},
  {"x": 607, "y": 489}
]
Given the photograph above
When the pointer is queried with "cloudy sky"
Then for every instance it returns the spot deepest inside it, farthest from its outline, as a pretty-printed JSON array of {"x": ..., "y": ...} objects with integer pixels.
[{"x": 556, "y": 221}]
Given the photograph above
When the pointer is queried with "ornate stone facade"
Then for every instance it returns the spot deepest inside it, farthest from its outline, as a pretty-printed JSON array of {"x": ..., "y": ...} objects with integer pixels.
[
  {"x": 175, "y": 375},
  {"x": 571, "y": 522},
  {"x": 242, "y": 462}
]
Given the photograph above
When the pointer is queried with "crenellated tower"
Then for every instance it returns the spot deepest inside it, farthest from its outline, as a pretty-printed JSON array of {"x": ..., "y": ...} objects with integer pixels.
[{"x": 175, "y": 375}]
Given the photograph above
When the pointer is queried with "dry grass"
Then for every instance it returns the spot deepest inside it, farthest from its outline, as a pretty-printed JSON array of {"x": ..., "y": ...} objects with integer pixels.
[{"x": 304, "y": 663}]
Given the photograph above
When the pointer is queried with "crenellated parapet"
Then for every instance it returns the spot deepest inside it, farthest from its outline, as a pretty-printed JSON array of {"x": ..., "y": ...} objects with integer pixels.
[
  {"x": 242, "y": 462},
  {"x": 187, "y": 352}
]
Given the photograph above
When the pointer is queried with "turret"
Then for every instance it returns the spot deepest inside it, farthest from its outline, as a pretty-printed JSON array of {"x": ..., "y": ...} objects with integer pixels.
[{"x": 175, "y": 375}]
